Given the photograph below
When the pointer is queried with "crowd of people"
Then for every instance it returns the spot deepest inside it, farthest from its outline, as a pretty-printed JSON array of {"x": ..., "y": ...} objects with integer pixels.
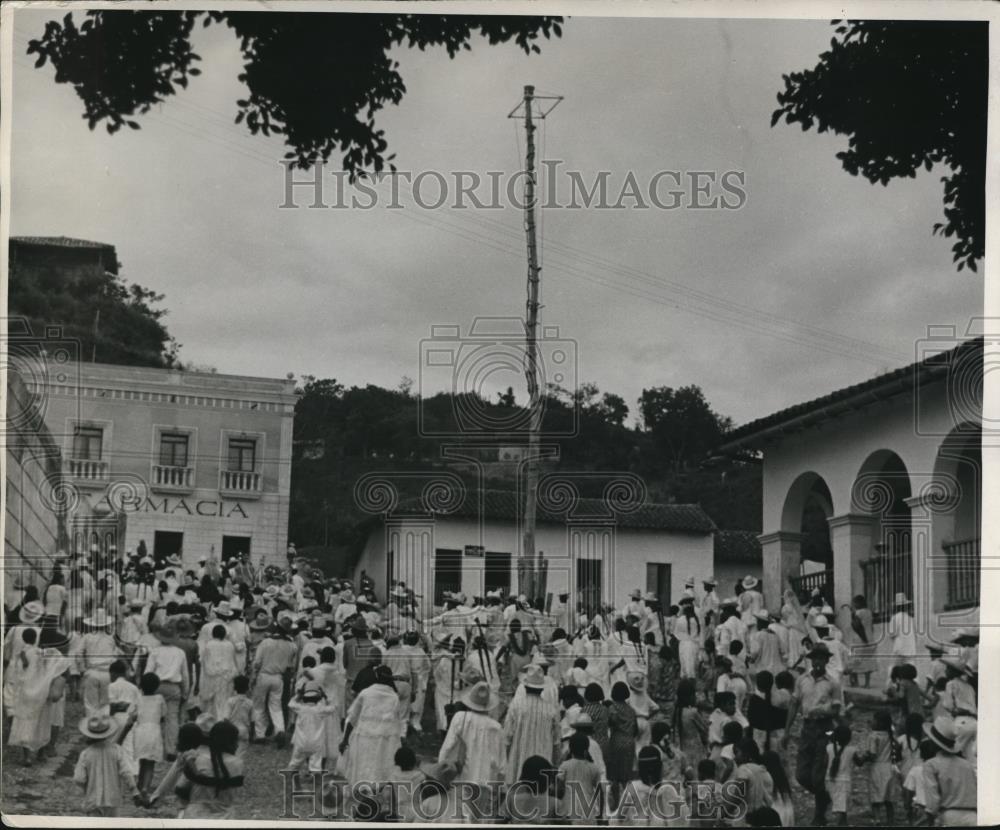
[{"x": 631, "y": 715}]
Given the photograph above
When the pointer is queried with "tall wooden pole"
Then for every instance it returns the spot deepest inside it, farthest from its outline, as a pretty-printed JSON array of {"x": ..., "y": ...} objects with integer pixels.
[{"x": 531, "y": 356}]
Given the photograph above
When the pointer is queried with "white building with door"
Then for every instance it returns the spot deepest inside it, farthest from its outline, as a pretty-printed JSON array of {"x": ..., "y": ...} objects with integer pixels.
[
  {"x": 589, "y": 549},
  {"x": 191, "y": 462},
  {"x": 881, "y": 482}
]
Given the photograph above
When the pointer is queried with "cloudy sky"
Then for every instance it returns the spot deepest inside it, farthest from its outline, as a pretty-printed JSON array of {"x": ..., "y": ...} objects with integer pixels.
[{"x": 820, "y": 280}]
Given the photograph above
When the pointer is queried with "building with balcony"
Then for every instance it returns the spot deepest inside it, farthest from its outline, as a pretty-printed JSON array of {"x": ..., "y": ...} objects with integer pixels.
[
  {"x": 192, "y": 462},
  {"x": 876, "y": 489}
]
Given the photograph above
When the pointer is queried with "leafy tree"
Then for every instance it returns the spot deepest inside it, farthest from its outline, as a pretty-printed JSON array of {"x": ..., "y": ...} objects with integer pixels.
[
  {"x": 682, "y": 425},
  {"x": 908, "y": 94},
  {"x": 317, "y": 78},
  {"x": 507, "y": 398},
  {"x": 113, "y": 321}
]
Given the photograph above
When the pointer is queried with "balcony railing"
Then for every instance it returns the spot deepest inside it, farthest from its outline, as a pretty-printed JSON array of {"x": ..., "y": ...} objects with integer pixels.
[
  {"x": 806, "y": 583},
  {"x": 173, "y": 478},
  {"x": 963, "y": 573},
  {"x": 239, "y": 481},
  {"x": 885, "y": 576},
  {"x": 86, "y": 471}
]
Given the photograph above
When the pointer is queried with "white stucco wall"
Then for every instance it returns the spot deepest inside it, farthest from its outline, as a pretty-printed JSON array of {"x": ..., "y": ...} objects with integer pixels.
[
  {"x": 624, "y": 552},
  {"x": 914, "y": 428}
]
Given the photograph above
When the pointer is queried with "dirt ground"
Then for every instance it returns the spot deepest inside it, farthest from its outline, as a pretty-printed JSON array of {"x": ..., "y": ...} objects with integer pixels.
[{"x": 47, "y": 787}]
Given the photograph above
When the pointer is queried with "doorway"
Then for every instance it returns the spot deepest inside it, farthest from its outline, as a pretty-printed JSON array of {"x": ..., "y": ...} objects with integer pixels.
[
  {"x": 232, "y": 545},
  {"x": 447, "y": 573},
  {"x": 589, "y": 585},
  {"x": 658, "y": 582},
  {"x": 166, "y": 543},
  {"x": 496, "y": 576}
]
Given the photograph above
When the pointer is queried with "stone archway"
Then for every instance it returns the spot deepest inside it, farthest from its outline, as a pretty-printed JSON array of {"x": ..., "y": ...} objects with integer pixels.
[
  {"x": 955, "y": 501},
  {"x": 880, "y": 498},
  {"x": 800, "y": 553}
]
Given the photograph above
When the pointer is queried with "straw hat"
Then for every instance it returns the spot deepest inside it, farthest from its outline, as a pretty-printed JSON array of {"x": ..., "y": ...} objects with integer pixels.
[
  {"x": 100, "y": 619},
  {"x": 964, "y": 634},
  {"x": 763, "y": 616},
  {"x": 943, "y": 733},
  {"x": 480, "y": 697},
  {"x": 308, "y": 593},
  {"x": 636, "y": 594},
  {"x": 174, "y": 559},
  {"x": 710, "y": 581},
  {"x": 901, "y": 600},
  {"x": 533, "y": 677},
  {"x": 98, "y": 727},
  {"x": 749, "y": 582},
  {"x": 261, "y": 622},
  {"x": 205, "y": 721},
  {"x": 286, "y": 591},
  {"x": 224, "y": 610},
  {"x": 649, "y": 596},
  {"x": 31, "y": 612}
]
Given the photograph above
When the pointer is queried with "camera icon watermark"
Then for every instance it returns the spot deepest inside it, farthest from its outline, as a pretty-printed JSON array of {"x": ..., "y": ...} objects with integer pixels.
[
  {"x": 475, "y": 366},
  {"x": 36, "y": 362},
  {"x": 961, "y": 362}
]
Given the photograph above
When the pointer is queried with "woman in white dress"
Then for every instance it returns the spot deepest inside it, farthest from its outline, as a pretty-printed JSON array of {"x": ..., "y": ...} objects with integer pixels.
[
  {"x": 687, "y": 630},
  {"x": 371, "y": 734},
  {"x": 218, "y": 668}
]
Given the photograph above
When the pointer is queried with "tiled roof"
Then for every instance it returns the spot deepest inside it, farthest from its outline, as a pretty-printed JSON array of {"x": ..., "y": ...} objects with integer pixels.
[
  {"x": 69, "y": 242},
  {"x": 59, "y": 242},
  {"x": 737, "y": 546},
  {"x": 506, "y": 505},
  {"x": 899, "y": 381}
]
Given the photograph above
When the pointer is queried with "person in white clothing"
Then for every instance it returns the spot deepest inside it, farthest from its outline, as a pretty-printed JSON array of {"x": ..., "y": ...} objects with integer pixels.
[{"x": 475, "y": 740}]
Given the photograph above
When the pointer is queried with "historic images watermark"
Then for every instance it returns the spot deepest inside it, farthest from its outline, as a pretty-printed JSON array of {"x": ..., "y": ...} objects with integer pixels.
[
  {"x": 319, "y": 187},
  {"x": 332, "y": 796},
  {"x": 467, "y": 364},
  {"x": 36, "y": 361}
]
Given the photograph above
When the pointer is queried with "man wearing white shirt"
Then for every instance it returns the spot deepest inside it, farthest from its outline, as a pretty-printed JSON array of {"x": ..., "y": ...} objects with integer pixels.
[
  {"x": 635, "y": 606},
  {"x": 169, "y": 663}
]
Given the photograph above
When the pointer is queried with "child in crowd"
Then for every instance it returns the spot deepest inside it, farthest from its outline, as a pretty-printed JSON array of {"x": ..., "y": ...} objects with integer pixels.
[
  {"x": 102, "y": 770},
  {"x": 73, "y": 652},
  {"x": 189, "y": 738},
  {"x": 123, "y": 704},
  {"x": 579, "y": 676},
  {"x": 724, "y": 712},
  {"x": 397, "y": 797},
  {"x": 913, "y": 785},
  {"x": 905, "y": 692},
  {"x": 908, "y": 744},
  {"x": 732, "y": 679},
  {"x": 239, "y": 711},
  {"x": 841, "y": 758},
  {"x": 148, "y": 730},
  {"x": 738, "y": 658},
  {"x": 309, "y": 741},
  {"x": 723, "y": 754},
  {"x": 884, "y": 778},
  {"x": 582, "y": 780}
]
